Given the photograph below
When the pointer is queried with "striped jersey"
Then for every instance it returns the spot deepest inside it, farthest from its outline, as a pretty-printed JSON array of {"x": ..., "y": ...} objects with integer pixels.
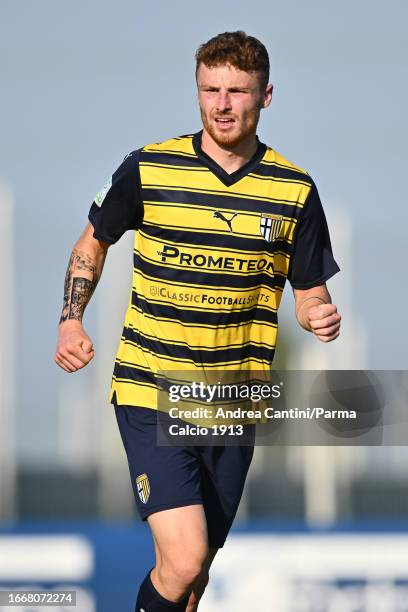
[{"x": 212, "y": 252}]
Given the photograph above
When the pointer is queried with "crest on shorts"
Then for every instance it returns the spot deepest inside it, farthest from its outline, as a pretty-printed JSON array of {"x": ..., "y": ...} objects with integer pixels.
[
  {"x": 143, "y": 487},
  {"x": 271, "y": 226}
]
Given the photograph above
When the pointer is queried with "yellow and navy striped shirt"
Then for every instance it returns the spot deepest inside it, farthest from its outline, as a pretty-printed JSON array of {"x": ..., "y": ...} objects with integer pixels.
[{"x": 212, "y": 252}]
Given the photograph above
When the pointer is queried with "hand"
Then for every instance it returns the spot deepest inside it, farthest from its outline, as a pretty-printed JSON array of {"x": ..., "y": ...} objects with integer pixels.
[
  {"x": 74, "y": 349},
  {"x": 324, "y": 321}
]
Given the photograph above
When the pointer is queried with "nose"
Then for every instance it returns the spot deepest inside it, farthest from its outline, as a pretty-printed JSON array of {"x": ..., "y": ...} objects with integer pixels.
[{"x": 223, "y": 101}]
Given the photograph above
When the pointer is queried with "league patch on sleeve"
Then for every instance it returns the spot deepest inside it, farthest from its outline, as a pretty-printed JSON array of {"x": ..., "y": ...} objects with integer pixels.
[{"x": 100, "y": 196}]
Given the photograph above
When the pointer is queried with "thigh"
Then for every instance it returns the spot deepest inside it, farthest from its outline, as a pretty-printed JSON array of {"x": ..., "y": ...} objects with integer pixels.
[
  {"x": 163, "y": 477},
  {"x": 180, "y": 532},
  {"x": 224, "y": 471}
]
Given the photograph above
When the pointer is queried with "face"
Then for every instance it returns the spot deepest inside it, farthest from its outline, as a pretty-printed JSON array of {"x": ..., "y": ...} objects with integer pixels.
[{"x": 230, "y": 102}]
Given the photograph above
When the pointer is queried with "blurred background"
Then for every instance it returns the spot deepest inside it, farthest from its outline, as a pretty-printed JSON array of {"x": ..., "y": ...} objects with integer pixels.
[{"x": 319, "y": 529}]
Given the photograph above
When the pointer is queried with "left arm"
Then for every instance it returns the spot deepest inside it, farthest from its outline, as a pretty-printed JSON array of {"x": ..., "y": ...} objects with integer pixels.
[{"x": 316, "y": 313}]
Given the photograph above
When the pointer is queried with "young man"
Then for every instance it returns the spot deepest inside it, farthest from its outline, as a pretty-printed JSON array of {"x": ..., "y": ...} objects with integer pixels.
[{"x": 221, "y": 222}]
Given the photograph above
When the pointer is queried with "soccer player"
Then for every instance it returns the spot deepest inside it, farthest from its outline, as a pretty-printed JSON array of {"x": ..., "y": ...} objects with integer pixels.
[{"x": 221, "y": 221}]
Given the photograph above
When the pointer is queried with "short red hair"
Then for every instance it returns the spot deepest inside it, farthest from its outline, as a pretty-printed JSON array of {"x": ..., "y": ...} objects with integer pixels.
[{"x": 238, "y": 49}]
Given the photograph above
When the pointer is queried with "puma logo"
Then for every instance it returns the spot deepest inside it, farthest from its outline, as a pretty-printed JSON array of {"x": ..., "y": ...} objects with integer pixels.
[{"x": 219, "y": 215}]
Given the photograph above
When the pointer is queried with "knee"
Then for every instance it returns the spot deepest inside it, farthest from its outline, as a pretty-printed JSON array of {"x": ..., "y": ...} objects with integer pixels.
[
  {"x": 189, "y": 569},
  {"x": 186, "y": 569}
]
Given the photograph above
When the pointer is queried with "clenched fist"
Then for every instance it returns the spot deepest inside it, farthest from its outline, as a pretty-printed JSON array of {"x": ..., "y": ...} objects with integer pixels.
[
  {"x": 74, "y": 348},
  {"x": 324, "y": 321}
]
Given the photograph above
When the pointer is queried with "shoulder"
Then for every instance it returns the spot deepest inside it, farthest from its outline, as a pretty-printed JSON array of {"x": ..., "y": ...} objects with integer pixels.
[
  {"x": 131, "y": 158},
  {"x": 281, "y": 167},
  {"x": 181, "y": 145},
  {"x": 128, "y": 167}
]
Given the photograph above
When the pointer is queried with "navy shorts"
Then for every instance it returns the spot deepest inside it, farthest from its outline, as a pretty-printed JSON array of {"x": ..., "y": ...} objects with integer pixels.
[{"x": 166, "y": 477}]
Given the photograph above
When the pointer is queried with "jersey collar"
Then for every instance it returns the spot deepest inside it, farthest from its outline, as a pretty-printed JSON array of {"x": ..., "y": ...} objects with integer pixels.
[{"x": 234, "y": 177}]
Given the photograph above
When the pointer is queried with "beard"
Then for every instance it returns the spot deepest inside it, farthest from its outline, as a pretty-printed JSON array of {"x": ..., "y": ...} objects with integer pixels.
[{"x": 237, "y": 135}]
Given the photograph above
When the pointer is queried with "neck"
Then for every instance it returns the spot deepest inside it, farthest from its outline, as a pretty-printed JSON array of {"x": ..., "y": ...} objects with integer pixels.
[{"x": 230, "y": 158}]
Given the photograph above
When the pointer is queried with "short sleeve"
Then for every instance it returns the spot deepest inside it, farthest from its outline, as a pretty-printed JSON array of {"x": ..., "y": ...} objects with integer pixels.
[
  {"x": 118, "y": 207},
  {"x": 312, "y": 261}
]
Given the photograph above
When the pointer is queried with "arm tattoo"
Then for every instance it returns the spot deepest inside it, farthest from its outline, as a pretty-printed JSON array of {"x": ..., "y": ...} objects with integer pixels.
[
  {"x": 82, "y": 289},
  {"x": 78, "y": 289}
]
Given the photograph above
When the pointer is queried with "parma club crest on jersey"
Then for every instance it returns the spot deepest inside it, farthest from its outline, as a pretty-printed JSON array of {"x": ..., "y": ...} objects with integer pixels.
[
  {"x": 143, "y": 487},
  {"x": 271, "y": 226}
]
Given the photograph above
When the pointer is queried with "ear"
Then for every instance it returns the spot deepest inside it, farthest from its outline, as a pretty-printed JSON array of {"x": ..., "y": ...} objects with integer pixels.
[{"x": 267, "y": 96}]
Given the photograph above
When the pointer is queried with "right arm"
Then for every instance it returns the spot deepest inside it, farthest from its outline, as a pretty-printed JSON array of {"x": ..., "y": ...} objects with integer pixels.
[
  {"x": 118, "y": 207},
  {"x": 74, "y": 347}
]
